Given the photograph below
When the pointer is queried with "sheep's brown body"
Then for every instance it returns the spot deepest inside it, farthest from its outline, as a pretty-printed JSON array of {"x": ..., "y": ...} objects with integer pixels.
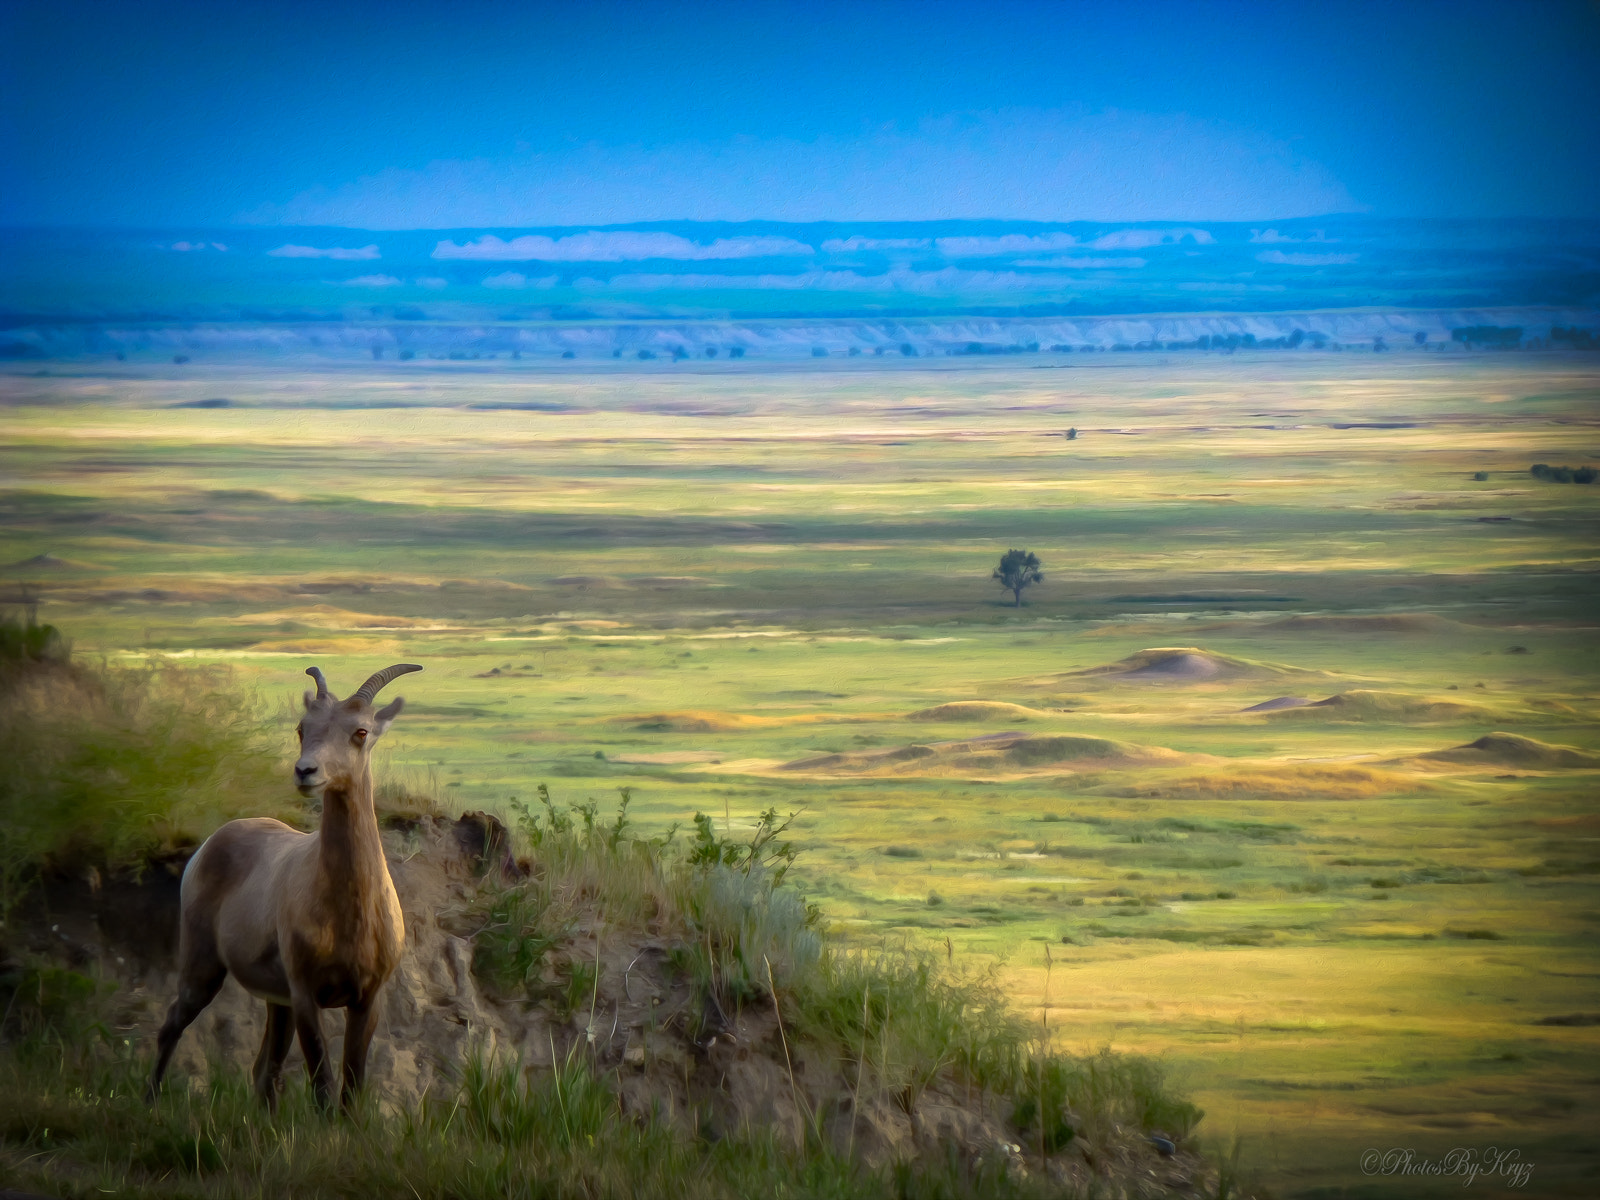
[{"x": 305, "y": 921}]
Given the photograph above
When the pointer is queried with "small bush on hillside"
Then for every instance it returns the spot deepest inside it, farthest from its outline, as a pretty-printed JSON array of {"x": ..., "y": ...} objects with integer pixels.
[
  {"x": 748, "y": 931},
  {"x": 510, "y": 950}
]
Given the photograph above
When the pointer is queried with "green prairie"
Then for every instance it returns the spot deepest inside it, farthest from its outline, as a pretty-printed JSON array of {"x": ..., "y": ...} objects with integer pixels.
[{"x": 1367, "y": 923}]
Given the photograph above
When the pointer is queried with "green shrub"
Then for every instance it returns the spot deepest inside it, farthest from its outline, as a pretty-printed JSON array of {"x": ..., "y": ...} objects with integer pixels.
[
  {"x": 24, "y": 640},
  {"x": 518, "y": 933}
]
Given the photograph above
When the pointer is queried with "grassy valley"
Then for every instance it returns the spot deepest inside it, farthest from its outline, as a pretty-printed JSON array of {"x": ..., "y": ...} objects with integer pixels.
[{"x": 1285, "y": 773}]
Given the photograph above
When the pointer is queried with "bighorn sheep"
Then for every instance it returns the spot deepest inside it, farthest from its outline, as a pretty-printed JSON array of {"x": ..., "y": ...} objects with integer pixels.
[{"x": 305, "y": 921}]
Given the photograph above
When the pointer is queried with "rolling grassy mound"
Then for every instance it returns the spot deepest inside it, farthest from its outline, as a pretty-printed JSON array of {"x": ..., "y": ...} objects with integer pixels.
[
  {"x": 976, "y": 710},
  {"x": 700, "y": 721},
  {"x": 997, "y": 753},
  {"x": 1037, "y": 751},
  {"x": 48, "y": 563},
  {"x": 696, "y": 720},
  {"x": 1277, "y": 703},
  {"x": 1186, "y": 664},
  {"x": 1391, "y": 707},
  {"x": 1513, "y": 750}
]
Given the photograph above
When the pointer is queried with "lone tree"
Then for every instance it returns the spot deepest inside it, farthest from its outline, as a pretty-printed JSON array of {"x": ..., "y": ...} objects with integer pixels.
[{"x": 1017, "y": 569}]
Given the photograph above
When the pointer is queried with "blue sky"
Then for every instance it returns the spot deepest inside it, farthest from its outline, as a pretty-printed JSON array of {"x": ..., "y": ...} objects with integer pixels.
[{"x": 476, "y": 114}]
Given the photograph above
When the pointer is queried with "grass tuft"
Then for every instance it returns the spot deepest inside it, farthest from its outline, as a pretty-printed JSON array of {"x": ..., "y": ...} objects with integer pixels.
[{"x": 107, "y": 765}]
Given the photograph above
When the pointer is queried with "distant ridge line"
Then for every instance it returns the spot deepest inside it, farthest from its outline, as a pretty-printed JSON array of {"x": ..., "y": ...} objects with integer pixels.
[{"x": 538, "y": 336}]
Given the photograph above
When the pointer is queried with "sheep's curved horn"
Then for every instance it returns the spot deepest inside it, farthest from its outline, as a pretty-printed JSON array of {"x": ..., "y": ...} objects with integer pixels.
[
  {"x": 381, "y": 679},
  {"x": 322, "y": 684}
]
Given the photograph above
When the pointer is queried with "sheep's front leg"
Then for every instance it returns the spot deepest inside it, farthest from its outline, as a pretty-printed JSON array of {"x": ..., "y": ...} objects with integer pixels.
[
  {"x": 275, "y": 1040},
  {"x": 308, "y": 1025},
  {"x": 360, "y": 1021}
]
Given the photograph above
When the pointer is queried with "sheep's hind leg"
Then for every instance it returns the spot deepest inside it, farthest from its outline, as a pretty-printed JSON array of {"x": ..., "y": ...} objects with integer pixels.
[
  {"x": 308, "y": 1024},
  {"x": 360, "y": 1020},
  {"x": 198, "y": 984},
  {"x": 275, "y": 1042}
]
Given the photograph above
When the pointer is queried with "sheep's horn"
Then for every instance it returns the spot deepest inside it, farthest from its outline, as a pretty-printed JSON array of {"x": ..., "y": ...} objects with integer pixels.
[
  {"x": 322, "y": 684},
  {"x": 381, "y": 679}
]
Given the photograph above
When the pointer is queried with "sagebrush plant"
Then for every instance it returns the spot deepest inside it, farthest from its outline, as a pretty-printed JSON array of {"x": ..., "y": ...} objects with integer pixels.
[
  {"x": 749, "y": 929},
  {"x": 108, "y": 764}
]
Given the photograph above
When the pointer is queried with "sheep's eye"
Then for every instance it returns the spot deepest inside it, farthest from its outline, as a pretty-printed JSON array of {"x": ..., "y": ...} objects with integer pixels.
[{"x": 361, "y": 735}]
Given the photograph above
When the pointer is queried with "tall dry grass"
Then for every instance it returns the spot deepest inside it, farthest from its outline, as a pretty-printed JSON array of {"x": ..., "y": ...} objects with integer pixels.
[{"x": 106, "y": 765}]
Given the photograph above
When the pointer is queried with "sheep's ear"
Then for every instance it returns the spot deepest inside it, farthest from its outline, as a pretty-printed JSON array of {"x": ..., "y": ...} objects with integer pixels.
[
  {"x": 310, "y": 699},
  {"x": 388, "y": 713}
]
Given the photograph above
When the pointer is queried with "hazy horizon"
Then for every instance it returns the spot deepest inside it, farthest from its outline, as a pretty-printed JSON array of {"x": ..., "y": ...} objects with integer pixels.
[{"x": 490, "y": 163}]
